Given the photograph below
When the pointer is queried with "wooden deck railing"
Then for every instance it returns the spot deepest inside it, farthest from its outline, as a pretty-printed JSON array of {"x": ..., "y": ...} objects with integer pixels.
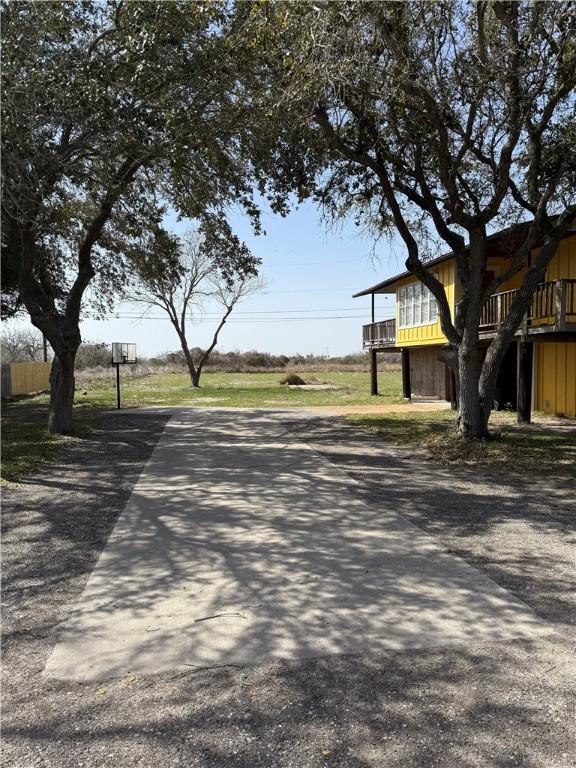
[
  {"x": 382, "y": 334},
  {"x": 554, "y": 304},
  {"x": 569, "y": 300},
  {"x": 553, "y": 308}
]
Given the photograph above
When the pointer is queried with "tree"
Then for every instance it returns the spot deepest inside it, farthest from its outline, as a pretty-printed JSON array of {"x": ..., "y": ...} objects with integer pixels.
[
  {"x": 93, "y": 354},
  {"x": 443, "y": 121},
  {"x": 21, "y": 345},
  {"x": 195, "y": 277},
  {"x": 111, "y": 112}
]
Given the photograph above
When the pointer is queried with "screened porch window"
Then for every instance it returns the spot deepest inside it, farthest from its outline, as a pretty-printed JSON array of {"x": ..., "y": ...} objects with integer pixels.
[{"x": 417, "y": 306}]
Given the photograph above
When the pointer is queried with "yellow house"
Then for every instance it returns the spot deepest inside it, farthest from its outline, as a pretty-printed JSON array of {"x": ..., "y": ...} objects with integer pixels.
[{"x": 540, "y": 369}]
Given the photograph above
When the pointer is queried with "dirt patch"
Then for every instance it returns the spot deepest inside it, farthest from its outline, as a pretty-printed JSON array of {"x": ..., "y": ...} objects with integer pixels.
[
  {"x": 313, "y": 386},
  {"x": 415, "y": 407},
  {"x": 209, "y": 399}
]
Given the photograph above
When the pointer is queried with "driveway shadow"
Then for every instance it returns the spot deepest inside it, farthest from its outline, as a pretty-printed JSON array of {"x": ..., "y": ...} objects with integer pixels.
[{"x": 489, "y": 704}]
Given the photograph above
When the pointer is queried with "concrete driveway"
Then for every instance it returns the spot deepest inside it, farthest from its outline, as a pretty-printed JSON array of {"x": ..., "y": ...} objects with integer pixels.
[{"x": 240, "y": 544}]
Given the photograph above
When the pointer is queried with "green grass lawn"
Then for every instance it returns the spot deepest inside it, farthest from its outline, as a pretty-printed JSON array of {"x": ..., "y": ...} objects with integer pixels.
[
  {"x": 25, "y": 445},
  {"x": 527, "y": 449},
  {"x": 240, "y": 390},
  {"x": 25, "y": 442}
]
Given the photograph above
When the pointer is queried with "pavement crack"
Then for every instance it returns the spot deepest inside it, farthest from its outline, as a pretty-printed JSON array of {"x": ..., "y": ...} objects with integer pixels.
[{"x": 218, "y": 615}]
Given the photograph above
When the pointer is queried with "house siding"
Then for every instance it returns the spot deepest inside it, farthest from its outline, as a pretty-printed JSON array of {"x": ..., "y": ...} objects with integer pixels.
[
  {"x": 554, "y": 362},
  {"x": 563, "y": 264},
  {"x": 428, "y": 375},
  {"x": 555, "y": 374},
  {"x": 555, "y": 378}
]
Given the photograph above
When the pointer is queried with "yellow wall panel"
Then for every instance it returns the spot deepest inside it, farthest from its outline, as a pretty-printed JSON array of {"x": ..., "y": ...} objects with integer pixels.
[
  {"x": 563, "y": 264},
  {"x": 556, "y": 378}
]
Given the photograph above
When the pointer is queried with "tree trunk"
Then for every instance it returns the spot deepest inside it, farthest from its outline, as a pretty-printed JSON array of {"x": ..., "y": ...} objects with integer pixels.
[
  {"x": 489, "y": 376},
  {"x": 472, "y": 420},
  {"x": 62, "y": 385},
  {"x": 192, "y": 369}
]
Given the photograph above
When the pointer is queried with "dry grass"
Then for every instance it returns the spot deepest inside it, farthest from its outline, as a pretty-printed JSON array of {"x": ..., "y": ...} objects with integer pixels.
[
  {"x": 144, "y": 369},
  {"x": 537, "y": 449},
  {"x": 239, "y": 390}
]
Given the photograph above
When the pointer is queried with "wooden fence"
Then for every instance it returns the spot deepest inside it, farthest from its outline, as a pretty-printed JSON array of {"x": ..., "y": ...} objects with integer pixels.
[{"x": 25, "y": 378}]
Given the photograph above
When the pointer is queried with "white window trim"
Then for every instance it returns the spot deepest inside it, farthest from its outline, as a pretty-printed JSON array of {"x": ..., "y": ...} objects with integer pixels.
[{"x": 430, "y": 298}]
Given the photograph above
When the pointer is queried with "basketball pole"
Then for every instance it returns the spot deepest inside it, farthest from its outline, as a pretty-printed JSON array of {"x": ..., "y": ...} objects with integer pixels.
[{"x": 118, "y": 385}]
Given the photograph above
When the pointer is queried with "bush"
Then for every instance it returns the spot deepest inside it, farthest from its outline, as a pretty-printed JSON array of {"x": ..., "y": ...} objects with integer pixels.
[
  {"x": 293, "y": 379},
  {"x": 93, "y": 355}
]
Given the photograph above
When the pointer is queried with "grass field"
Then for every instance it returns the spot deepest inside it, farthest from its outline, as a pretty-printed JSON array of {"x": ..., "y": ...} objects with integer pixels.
[
  {"x": 241, "y": 390},
  {"x": 525, "y": 449},
  {"x": 25, "y": 443}
]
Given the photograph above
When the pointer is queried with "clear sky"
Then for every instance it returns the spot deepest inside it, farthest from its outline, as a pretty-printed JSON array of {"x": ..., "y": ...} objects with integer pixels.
[{"x": 310, "y": 274}]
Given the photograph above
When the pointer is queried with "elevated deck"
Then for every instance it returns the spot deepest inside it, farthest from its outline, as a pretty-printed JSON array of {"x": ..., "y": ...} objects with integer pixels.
[
  {"x": 553, "y": 312},
  {"x": 379, "y": 335}
]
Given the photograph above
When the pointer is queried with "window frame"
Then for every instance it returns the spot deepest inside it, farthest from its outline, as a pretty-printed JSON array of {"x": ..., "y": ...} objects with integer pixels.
[{"x": 411, "y": 299}]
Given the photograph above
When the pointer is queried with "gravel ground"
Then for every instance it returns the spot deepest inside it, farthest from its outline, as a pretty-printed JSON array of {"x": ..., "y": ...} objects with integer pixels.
[{"x": 488, "y": 705}]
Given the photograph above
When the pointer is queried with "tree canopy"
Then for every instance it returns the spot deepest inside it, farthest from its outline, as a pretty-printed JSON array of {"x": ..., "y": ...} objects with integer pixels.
[
  {"x": 442, "y": 122},
  {"x": 112, "y": 112},
  {"x": 182, "y": 291}
]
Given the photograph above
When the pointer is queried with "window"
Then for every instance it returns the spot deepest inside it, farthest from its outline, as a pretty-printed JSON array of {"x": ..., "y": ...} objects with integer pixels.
[{"x": 416, "y": 306}]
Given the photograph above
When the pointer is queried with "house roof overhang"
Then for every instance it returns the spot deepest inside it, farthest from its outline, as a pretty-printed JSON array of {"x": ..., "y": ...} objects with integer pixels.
[
  {"x": 388, "y": 286},
  {"x": 501, "y": 244}
]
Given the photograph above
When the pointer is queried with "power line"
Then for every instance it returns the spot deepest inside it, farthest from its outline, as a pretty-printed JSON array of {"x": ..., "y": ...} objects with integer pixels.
[
  {"x": 217, "y": 316},
  {"x": 269, "y": 262},
  {"x": 293, "y": 311},
  {"x": 359, "y": 310},
  {"x": 249, "y": 319},
  {"x": 246, "y": 319}
]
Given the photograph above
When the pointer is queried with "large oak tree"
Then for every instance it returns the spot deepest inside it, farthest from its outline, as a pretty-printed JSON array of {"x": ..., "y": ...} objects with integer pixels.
[
  {"x": 112, "y": 111},
  {"x": 444, "y": 122}
]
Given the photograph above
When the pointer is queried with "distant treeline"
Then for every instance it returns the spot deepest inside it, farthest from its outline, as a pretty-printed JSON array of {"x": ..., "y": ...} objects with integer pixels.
[
  {"x": 252, "y": 360},
  {"x": 97, "y": 355},
  {"x": 25, "y": 345}
]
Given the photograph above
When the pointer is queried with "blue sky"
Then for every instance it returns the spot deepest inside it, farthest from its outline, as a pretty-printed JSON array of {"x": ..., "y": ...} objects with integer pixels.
[{"x": 310, "y": 273}]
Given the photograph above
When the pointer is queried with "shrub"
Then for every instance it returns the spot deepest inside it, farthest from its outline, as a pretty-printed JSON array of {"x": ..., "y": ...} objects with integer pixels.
[
  {"x": 293, "y": 379},
  {"x": 93, "y": 354}
]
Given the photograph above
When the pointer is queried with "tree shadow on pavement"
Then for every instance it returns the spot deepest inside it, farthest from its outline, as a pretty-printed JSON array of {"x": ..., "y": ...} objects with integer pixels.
[
  {"x": 489, "y": 703},
  {"x": 518, "y": 528}
]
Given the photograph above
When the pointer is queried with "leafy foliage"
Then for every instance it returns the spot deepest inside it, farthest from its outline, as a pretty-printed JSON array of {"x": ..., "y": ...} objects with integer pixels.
[
  {"x": 195, "y": 275},
  {"x": 113, "y": 112},
  {"x": 439, "y": 121},
  {"x": 134, "y": 104},
  {"x": 93, "y": 354}
]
